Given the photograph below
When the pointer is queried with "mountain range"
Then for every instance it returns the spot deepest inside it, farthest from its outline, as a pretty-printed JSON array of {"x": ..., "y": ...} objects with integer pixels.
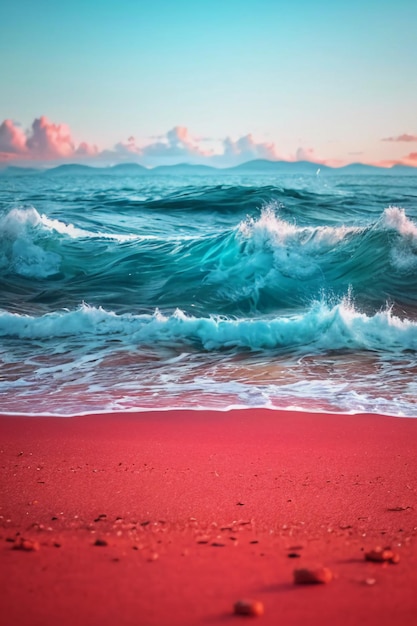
[{"x": 257, "y": 166}]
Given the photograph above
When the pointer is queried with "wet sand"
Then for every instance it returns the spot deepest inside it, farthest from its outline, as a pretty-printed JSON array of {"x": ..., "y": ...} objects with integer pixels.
[{"x": 169, "y": 518}]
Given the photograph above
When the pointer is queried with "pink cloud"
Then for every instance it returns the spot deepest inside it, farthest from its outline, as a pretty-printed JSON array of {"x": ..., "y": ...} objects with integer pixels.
[
  {"x": 43, "y": 141},
  {"x": 86, "y": 149},
  {"x": 400, "y": 138},
  {"x": 409, "y": 159},
  {"x": 12, "y": 138},
  {"x": 48, "y": 140}
]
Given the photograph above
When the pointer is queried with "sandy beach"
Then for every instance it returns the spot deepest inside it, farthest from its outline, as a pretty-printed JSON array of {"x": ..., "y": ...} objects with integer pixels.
[{"x": 169, "y": 518}]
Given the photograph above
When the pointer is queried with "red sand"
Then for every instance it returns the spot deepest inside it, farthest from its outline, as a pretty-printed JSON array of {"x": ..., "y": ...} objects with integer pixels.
[{"x": 199, "y": 509}]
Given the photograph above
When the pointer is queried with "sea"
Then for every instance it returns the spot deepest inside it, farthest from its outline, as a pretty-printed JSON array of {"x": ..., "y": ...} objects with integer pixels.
[{"x": 133, "y": 293}]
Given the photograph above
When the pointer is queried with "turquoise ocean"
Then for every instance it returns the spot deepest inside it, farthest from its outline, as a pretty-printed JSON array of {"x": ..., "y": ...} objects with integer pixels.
[{"x": 122, "y": 293}]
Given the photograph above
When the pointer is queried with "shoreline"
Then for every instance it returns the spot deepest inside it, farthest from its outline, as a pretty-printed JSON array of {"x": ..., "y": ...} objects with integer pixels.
[
  {"x": 202, "y": 409},
  {"x": 196, "y": 509}
]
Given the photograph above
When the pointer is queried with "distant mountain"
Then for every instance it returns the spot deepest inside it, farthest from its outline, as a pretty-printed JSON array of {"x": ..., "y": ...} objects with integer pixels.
[
  {"x": 71, "y": 168},
  {"x": 404, "y": 169},
  {"x": 12, "y": 170},
  {"x": 359, "y": 168},
  {"x": 121, "y": 169},
  {"x": 127, "y": 169},
  {"x": 77, "y": 169},
  {"x": 257, "y": 166},
  {"x": 186, "y": 169},
  {"x": 278, "y": 167}
]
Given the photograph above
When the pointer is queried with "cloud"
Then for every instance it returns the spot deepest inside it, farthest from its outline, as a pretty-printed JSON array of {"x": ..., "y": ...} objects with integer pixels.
[
  {"x": 174, "y": 146},
  {"x": 306, "y": 154},
  {"x": 127, "y": 147},
  {"x": 86, "y": 149},
  {"x": 309, "y": 154},
  {"x": 44, "y": 141},
  {"x": 179, "y": 145},
  {"x": 12, "y": 138},
  {"x": 409, "y": 159},
  {"x": 247, "y": 148},
  {"x": 48, "y": 140},
  {"x": 178, "y": 142},
  {"x": 52, "y": 143},
  {"x": 405, "y": 137}
]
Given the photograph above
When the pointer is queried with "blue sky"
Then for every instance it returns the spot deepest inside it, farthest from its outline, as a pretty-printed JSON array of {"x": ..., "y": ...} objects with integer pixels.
[{"x": 318, "y": 79}]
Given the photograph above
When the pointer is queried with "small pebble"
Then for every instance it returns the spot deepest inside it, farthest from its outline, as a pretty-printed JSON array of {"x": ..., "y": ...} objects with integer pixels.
[
  {"x": 317, "y": 575},
  {"x": 254, "y": 608},
  {"x": 382, "y": 555},
  {"x": 101, "y": 542},
  {"x": 27, "y": 545}
]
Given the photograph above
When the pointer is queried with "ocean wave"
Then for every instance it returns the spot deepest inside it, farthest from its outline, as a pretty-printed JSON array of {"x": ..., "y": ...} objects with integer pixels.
[
  {"x": 22, "y": 220},
  {"x": 321, "y": 327},
  {"x": 260, "y": 264}
]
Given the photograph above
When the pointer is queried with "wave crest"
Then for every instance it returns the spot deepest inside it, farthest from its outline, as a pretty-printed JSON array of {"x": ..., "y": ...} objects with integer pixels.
[{"x": 321, "y": 327}]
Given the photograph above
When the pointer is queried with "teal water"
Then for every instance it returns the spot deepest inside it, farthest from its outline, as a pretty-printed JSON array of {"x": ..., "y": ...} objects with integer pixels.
[{"x": 122, "y": 293}]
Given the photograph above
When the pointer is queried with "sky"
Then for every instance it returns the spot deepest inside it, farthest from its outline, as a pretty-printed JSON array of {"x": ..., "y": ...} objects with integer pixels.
[{"x": 208, "y": 81}]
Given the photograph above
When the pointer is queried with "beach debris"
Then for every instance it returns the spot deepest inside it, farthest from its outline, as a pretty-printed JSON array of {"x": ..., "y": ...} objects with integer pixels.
[
  {"x": 293, "y": 555},
  {"x": 382, "y": 555},
  {"x": 27, "y": 545},
  {"x": 370, "y": 581},
  {"x": 254, "y": 608},
  {"x": 312, "y": 576}
]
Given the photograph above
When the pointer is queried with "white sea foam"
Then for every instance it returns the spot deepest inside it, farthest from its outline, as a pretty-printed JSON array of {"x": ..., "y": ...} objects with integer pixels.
[
  {"x": 295, "y": 250},
  {"x": 322, "y": 327},
  {"x": 20, "y": 220},
  {"x": 271, "y": 230},
  {"x": 403, "y": 251},
  {"x": 395, "y": 218},
  {"x": 20, "y": 245}
]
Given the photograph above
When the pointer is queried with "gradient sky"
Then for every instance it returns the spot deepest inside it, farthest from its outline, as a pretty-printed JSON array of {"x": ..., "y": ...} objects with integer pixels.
[{"x": 321, "y": 79}]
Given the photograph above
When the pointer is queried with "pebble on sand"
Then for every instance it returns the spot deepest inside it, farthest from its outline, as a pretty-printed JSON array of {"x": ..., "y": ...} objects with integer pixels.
[
  {"x": 382, "y": 555},
  {"x": 254, "y": 608},
  {"x": 101, "y": 542},
  {"x": 312, "y": 576},
  {"x": 27, "y": 545}
]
